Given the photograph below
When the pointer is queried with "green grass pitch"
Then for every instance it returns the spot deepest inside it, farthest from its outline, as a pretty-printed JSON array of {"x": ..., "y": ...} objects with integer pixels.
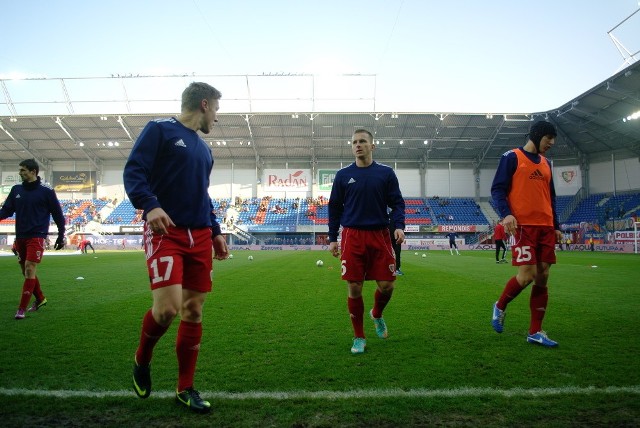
[{"x": 275, "y": 350}]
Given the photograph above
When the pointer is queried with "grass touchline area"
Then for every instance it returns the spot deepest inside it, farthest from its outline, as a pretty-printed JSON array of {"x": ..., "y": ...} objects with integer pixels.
[
  {"x": 276, "y": 329},
  {"x": 341, "y": 395}
]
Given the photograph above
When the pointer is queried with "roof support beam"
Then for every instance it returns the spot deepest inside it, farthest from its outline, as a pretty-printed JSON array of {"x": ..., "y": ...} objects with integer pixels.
[
  {"x": 7, "y": 96},
  {"x": 61, "y": 125},
  {"x": 25, "y": 146}
]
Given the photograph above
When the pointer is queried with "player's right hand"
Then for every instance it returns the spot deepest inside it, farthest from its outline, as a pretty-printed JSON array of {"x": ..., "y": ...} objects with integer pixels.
[
  {"x": 334, "y": 249},
  {"x": 158, "y": 221},
  {"x": 59, "y": 245}
]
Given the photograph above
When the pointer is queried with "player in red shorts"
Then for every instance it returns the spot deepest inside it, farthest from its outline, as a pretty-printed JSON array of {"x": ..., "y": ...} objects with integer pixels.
[
  {"x": 360, "y": 197},
  {"x": 33, "y": 203},
  {"x": 525, "y": 196},
  {"x": 84, "y": 245},
  {"x": 167, "y": 176}
]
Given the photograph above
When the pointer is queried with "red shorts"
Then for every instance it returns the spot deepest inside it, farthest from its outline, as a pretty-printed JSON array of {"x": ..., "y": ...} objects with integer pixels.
[
  {"x": 534, "y": 244},
  {"x": 367, "y": 255},
  {"x": 30, "y": 249},
  {"x": 183, "y": 256}
]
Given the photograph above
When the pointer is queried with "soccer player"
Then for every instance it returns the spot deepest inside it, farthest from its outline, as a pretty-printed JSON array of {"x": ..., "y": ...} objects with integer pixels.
[
  {"x": 452, "y": 242},
  {"x": 525, "y": 196},
  {"x": 499, "y": 236},
  {"x": 167, "y": 176},
  {"x": 84, "y": 245},
  {"x": 33, "y": 203},
  {"x": 360, "y": 197}
]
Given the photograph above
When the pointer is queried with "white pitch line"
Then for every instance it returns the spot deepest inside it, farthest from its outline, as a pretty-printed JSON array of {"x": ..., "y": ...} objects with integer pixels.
[{"x": 339, "y": 395}]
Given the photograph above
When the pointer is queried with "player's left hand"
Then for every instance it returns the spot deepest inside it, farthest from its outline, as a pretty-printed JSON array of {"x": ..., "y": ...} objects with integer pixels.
[
  {"x": 399, "y": 235},
  {"x": 220, "y": 249},
  {"x": 558, "y": 236},
  {"x": 59, "y": 245}
]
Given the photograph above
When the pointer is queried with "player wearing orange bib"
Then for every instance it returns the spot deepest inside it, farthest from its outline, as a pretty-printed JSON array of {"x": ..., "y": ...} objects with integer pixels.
[{"x": 525, "y": 196}]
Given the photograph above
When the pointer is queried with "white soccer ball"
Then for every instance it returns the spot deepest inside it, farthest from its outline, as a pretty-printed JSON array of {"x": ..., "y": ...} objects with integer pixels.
[
  {"x": 424, "y": 255},
  {"x": 416, "y": 254},
  {"x": 230, "y": 256},
  {"x": 250, "y": 258},
  {"x": 319, "y": 263}
]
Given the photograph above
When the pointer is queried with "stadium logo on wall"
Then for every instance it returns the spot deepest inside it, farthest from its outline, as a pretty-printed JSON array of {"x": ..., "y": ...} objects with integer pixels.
[
  {"x": 568, "y": 176},
  {"x": 286, "y": 179}
]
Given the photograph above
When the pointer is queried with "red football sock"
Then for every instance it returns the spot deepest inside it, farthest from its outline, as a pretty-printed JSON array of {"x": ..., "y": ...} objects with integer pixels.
[
  {"x": 510, "y": 292},
  {"x": 37, "y": 291},
  {"x": 356, "y": 311},
  {"x": 27, "y": 290},
  {"x": 380, "y": 302},
  {"x": 151, "y": 333},
  {"x": 538, "y": 306},
  {"x": 187, "y": 347}
]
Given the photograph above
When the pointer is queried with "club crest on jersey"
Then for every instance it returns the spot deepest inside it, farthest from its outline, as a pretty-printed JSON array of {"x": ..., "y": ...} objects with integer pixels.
[{"x": 392, "y": 268}]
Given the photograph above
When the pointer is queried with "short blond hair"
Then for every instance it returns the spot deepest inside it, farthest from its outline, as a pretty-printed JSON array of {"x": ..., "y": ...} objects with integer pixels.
[{"x": 196, "y": 92}]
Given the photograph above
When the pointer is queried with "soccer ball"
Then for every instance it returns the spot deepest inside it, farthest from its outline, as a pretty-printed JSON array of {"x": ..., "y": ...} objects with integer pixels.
[
  {"x": 250, "y": 258},
  {"x": 319, "y": 263},
  {"x": 416, "y": 254},
  {"x": 424, "y": 255},
  {"x": 230, "y": 256}
]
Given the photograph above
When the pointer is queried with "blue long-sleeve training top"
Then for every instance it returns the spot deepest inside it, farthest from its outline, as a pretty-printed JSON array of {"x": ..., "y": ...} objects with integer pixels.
[
  {"x": 169, "y": 168},
  {"x": 34, "y": 204},
  {"x": 360, "y": 197}
]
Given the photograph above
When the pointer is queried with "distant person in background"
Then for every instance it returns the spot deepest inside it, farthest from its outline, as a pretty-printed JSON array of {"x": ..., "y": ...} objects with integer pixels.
[
  {"x": 499, "y": 236},
  {"x": 397, "y": 248},
  {"x": 33, "y": 204},
  {"x": 525, "y": 196},
  {"x": 360, "y": 198},
  {"x": 452, "y": 242},
  {"x": 592, "y": 244},
  {"x": 167, "y": 176},
  {"x": 84, "y": 244},
  {"x": 568, "y": 244}
]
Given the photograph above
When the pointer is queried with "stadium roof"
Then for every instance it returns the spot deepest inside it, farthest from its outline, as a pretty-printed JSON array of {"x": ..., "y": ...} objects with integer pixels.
[{"x": 591, "y": 126}]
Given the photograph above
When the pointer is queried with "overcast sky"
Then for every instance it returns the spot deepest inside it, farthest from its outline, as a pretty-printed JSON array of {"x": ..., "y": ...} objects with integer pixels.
[{"x": 429, "y": 56}]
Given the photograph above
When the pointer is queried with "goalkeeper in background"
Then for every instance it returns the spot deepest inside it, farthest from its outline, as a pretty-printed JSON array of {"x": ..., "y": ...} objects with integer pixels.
[
  {"x": 33, "y": 203},
  {"x": 526, "y": 199}
]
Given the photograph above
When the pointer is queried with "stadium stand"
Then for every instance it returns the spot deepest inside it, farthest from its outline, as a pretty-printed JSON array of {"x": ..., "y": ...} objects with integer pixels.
[
  {"x": 417, "y": 211},
  {"x": 456, "y": 211},
  {"x": 124, "y": 213},
  {"x": 562, "y": 202},
  {"x": 597, "y": 208}
]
